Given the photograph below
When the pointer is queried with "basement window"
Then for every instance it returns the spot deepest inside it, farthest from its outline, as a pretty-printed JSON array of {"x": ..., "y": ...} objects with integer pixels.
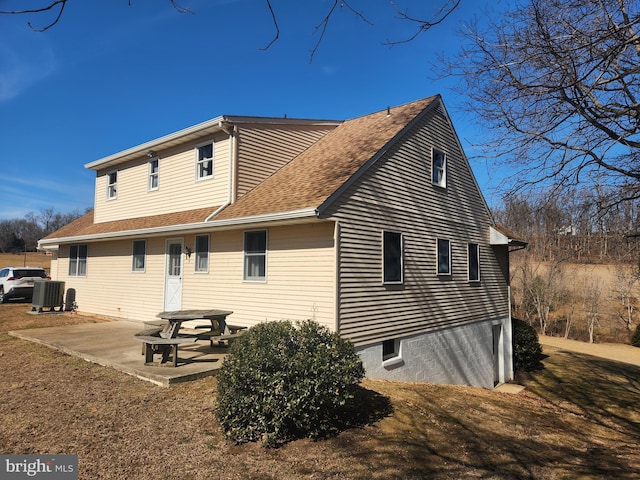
[{"x": 391, "y": 355}]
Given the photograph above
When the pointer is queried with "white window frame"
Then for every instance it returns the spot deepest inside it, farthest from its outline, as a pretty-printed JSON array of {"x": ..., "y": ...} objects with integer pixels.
[
  {"x": 438, "y": 172},
  {"x": 154, "y": 175},
  {"x": 476, "y": 247},
  {"x": 250, "y": 255},
  {"x": 385, "y": 259},
  {"x": 136, "y": 257},
  {"x": 78, "y": 263},
  {"x": 438, "y": 254},
  {"x": 201, "y": 161},
  {"x": 112, "y": 186},
  {"x": 393, "y": 358},
  {"x": 201, "y": 256}
]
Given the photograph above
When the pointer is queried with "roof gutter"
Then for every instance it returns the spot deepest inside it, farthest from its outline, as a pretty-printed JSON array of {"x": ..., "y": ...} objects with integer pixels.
[{"x": 281, "y": 217}]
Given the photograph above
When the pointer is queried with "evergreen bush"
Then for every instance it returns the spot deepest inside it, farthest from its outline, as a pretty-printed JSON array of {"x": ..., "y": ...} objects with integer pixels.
[
  {"x": 282, "y": 381},
  {"x": 635, "y": 338},
  {"x": 527, "y": 350}
]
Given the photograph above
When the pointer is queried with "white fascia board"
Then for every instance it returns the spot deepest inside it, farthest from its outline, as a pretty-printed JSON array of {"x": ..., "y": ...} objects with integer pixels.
[
  {"x": 281, "y": 217},
  {"x": 142, "y": 149},
  {"x": 200, "y": 129}
]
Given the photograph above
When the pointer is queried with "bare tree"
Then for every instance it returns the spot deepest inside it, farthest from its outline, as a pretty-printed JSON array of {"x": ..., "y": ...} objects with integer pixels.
[
  {"x": 593, "y": 292},
  {"x": 55, "y": 9},
  {"x": 624, "y": 294},
  {"x": 542, "y": 289},
  {"x": 557, "y": 85}
]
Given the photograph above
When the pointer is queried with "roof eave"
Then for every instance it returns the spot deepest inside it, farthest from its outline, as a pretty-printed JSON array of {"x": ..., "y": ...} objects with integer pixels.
[
  {"x": 193, "y": 133},
  {"x": 499, "y": 238},
  {"x": 294, "y": 216}
]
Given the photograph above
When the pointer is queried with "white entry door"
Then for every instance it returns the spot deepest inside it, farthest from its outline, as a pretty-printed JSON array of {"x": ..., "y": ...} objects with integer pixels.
[{"x": 173, "y": 276}]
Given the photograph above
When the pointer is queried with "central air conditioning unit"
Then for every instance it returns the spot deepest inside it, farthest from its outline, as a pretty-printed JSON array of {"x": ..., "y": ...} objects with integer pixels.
[{"x": 47, "y": 294}]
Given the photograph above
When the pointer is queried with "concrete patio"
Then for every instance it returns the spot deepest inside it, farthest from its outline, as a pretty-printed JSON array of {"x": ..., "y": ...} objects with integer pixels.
[{"x": 112, "y": 344}]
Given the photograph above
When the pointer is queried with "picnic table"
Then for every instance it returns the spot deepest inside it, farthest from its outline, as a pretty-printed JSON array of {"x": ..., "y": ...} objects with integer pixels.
[
  {"x": 164, "y": 335},
  {"x": 218, "y": 319}
]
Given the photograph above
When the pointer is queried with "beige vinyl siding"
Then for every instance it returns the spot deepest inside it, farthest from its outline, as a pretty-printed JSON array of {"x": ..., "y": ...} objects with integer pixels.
[
  {"x": 110, "y": 287},
  {"x": 262, "y": 150},
  {"x": 300, "y": 282},
  {"x": 178, "y": 188},
  {"x": 396, "y": 194}
]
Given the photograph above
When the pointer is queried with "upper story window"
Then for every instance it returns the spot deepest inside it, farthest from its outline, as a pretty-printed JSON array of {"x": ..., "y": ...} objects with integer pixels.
[
  {"x": 474, "y": 262},
  {"x": 139, "y": 255},
  {"x": 392, "y": 270},
  {"x": 112, "y": 185},
  {"x": 255, "y": 255},
  {"x": 77, "y": 260},
  {"x": 438, "y": 168},
  {"x": 202, "y": 253},
  {"x": 153, "y": 174},
  {"x": 204, "y": 161},
  {"x": 444, "y": 257}
]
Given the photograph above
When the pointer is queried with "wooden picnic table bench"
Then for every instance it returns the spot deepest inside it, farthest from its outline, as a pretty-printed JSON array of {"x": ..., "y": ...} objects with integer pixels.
[
  {"x": 166, "y": 346},
  {"x": 217, "y": 336},
  {"x": 161, "y": 336}
]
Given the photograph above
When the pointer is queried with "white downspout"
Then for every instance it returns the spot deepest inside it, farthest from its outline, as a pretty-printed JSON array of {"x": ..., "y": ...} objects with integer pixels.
[{"x": 231, "y": 176}]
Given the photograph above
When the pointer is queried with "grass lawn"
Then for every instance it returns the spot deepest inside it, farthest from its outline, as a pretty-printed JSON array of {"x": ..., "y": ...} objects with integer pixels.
[{"x": 577, "y": 418}]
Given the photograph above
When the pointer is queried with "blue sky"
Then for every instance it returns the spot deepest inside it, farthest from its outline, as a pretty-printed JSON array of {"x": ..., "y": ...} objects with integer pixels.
[{"x": 110, "y": 76}]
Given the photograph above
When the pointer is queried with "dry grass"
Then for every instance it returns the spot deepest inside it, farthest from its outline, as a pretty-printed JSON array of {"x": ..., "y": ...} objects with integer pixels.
[
  {"x": 30, "y": 259},
  {"x": 578, "y": 418}
]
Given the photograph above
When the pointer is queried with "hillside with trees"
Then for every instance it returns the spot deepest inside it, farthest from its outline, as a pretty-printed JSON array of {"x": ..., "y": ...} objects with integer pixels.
[
  {"x": 22, "y": 234},
  {"x": 579, "y": 277}
]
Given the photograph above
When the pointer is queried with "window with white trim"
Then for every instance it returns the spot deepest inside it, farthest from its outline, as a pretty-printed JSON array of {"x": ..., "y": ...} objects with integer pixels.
[
  {"x": 392, "y": 264},
  {"x": 112, "y": 185},
  {"x": 444, "y": 257},
  {"x": 204, "y": 161},
  {"x": 78, "y": 260},
  {"x": 255, "y": 255},
  {"x": 438, "y": 168},
  {"x": 139, "y": 255},
  {"x": 473, "y": 261},
  {"x": 202, "y": 253},
  {"x": 153, "y": 174}
]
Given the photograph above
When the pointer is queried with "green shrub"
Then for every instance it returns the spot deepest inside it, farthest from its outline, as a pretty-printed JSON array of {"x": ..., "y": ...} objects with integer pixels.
[
  {"x": 527, "y": 350},
  {"x": 635, "y": 338},
  {"x": 283, "y": 381}
]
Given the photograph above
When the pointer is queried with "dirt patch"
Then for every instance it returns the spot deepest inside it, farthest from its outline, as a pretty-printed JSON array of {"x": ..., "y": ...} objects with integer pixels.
[{"x": 578, "y": 418}]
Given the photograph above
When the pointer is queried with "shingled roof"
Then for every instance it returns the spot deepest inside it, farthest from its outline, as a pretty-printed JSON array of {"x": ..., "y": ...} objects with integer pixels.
[
  {"x": 314, "y": 175},
  {"x": 84, "y": 226},
  {"x": 306, "y": 182}
]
